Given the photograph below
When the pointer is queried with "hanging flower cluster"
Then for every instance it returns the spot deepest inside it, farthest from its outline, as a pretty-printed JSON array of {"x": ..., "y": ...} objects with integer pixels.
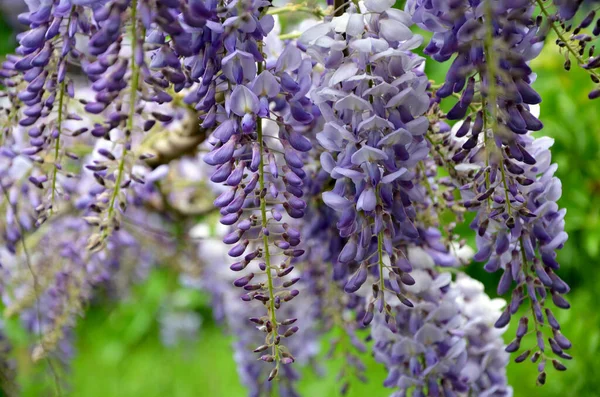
[
  {"x": 372, "y": 98},
  {"x": 447, "y": 344},
  {"x": 519, "y": 225},
  {"x": 234, "y": 313},
  {"x": 574, "y": 40},
  {"x": 127, "y": 123}
]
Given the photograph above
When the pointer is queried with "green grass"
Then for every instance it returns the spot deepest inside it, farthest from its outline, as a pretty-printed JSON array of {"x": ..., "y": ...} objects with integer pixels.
[
  {"x": 131, "y": 361},
  {"x": 121, "y": 348}
]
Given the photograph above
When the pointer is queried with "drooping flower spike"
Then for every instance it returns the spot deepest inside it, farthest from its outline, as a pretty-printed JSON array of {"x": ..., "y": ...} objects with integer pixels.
[
  {"x": 507, "y": 176},
  {"x": 262, "y": 172},
  {"x": 574, "y": 39},
  {"x": 372, "y": 97},
  {"x": 447, "y": 345},
  {"x": 233, "y": 312},
  {"x": 39, "y": 93}
]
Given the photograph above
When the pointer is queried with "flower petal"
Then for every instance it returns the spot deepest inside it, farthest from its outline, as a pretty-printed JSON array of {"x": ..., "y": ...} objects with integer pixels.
[
  {"x": 336, "y": 201},
  {"x": 368, "y": 154},
  {"x": 243, "y": 101}
]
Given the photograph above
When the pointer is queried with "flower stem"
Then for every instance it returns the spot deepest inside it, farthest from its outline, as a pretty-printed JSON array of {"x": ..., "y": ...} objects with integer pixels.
[
  {"x": 491, "y": 65},
  {"x": 302, "y": 7},
  {"x": 493, "y": 94},
  {"x": 428, "y": 187},
  {"x": 536, "y": 325},
  {"x": 339, "y": 7},
  {"x": 61, "y": 96},
  {"x": 37, "y": 294},
  {"x": 290, "y": 36},
  {"x": 488, "y": 183},
  {"x": 135, "y": 77},
  {"x": 561, "y": 37},
  {"x": 506, "y": 196},
  {"x": 59, "y": 120},
  {"x": 492, "y": 72},
  {"x": 380, "y": 263},
  {"x": 265, "y": 238}
]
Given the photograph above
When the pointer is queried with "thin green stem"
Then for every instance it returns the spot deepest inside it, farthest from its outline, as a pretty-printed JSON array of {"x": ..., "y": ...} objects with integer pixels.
[
  {"x": 368, "y": 72},
  {"x": 536, "y": 325},
  {"x": 37, "y": 293},
  {"x": 339, "y": 7},
  {"x": 493, "y": 95},
  {"x": 491, "y": 66},
  {"x": 426, "y": 180},
  {"x": 135, "y": 77},
  {"x": 430, "y": 192},
  {"x": 302, "y": 7},
  {"x": 59, "y": 120},
  {"x": 448, "y": 166},
  {"x": 265, "y": 238},
  {"x": 290, "y": 36},
  {"x": 506, "y": 196},
  {"x": 561, "y": 37},
  {"x": 485, "y": 143},
  {"x": 380, "y": 262}
]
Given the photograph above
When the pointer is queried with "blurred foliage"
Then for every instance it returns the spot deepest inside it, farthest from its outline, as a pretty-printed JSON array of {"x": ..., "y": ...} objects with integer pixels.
[
  {"x": 119, "y": 353},
  {"x": 7, "y": 42}
]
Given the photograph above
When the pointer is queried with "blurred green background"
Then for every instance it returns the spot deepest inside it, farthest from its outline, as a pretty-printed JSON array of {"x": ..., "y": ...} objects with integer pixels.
[{"x": 118, "y": 349}]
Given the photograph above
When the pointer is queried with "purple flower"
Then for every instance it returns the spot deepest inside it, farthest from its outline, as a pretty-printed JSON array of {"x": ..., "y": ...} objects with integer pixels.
[
  {"x": 447, "y": 343},
  {"x": 373, "y": 99},
  {"x": 502, "y": 172},
  {"x": 256, "y": 148}
]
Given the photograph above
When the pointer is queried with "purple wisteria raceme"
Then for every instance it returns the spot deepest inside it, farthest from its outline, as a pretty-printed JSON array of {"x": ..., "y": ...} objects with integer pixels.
[
  {"x": 61, "y": 276},
  {"x": 234, "y": 314},
  {"x": 324, "y": 278},
  {"x": 575, "y": 40},
  {"x": 324, "y": 262},
  {"x": 48, "y": 278},
  {"x": 39, "y": 92},
  {"x": 17, "y": 197},
  {"x": 447, "y": 344},
  {"x": 118, "y": 78},
  {"x": 63, "y": 34},
  {"x": 506, "y": 174},
  {"x": 372, "y": 97},
  {"x": 262, "y": 172}
]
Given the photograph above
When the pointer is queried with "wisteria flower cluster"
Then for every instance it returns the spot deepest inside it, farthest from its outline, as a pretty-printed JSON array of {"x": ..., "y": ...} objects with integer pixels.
[{"x": 128, "y": 125}]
